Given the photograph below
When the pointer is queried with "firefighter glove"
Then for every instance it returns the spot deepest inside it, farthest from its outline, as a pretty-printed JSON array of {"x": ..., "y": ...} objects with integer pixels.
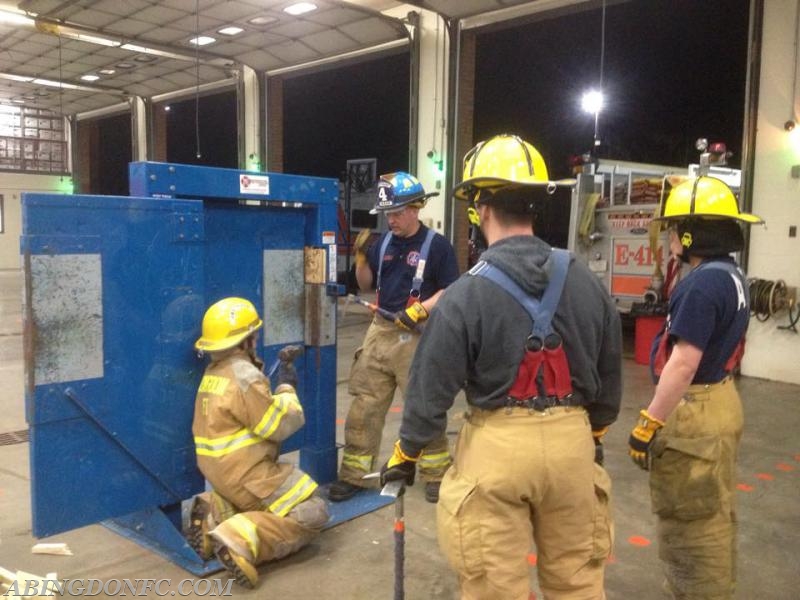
[
  {"x": 360, "y": 247},
  {"x": 642, "y": 438},
  {"x": 400, "y": 466},
  {"x": 409, "y": 318},
  {"x": 597, "y": 435}
]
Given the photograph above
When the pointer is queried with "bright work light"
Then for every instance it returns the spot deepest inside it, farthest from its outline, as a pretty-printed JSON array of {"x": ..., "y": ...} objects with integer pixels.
[{"x": 592, "y": 102}]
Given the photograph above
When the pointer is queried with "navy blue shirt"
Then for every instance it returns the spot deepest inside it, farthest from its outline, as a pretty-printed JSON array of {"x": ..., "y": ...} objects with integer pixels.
[
  {"x": 400, "y": 264},
  {"x": 709, "y": 308}
]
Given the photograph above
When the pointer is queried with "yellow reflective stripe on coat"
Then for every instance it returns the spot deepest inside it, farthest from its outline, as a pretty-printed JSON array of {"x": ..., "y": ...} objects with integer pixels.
[
  {"x": 362, "y": 461},
  {"x": 296, "y": 494},
  {"x": 248, "y": 532},
  {"x": 213, "y": 384},
  {"x": 433, "y": 461},
  {"x": 224, "y": 445},
  {"x": 272, "y": 417}
]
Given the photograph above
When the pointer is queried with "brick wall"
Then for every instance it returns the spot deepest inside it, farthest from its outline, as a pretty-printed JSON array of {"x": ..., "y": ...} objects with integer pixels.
[
  {"x": 275, "y": 124},
  {"x": 464, "y": 140}
]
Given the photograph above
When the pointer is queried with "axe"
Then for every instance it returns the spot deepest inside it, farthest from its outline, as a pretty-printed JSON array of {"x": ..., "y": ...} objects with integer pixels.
[{"x": 396, "y": 489}]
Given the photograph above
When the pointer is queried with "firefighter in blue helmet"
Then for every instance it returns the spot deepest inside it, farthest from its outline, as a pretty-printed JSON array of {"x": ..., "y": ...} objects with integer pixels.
[{"x": 410, "y": 266}]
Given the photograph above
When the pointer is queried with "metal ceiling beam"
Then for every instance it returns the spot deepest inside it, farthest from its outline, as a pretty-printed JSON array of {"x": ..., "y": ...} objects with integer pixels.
[
  {"x": 95, "y": 36},
  {"x": 338, "y": 58},
  {"x": 516, "y": 12},
  {"x": 39, "y": 81}
]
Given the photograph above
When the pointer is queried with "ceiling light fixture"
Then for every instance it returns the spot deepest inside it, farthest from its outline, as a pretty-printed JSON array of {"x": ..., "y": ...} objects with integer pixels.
[
  {"x": 72, "y": 86},
  {"x": 144, "y": 58},
  {"x": 58, "y": 84},
  {"x": 94, "y": 39},
  {"x": 125, "y": 65},
  {"x": 300, "y": 8},
  {"x": 202, "y": 40},
  {"x": 230, "y": 30},
  {"x": 107, "y": 71},
  {"x": 90, "y": 77},
  {"x": 154, "y": 51},
  {"x": 135, "y": 48},
  {"x": 261, "y": 21},
  {"x": 13, "y": 77},
  {"x": 14, "y": 18}
]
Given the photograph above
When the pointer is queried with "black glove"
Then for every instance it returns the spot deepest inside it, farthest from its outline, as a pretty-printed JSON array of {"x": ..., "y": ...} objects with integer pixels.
[
  {"x": 287, "y": 373},
  {"x": 598, "y": 452},
  {"x": 597, "y": 435},
  {"x": 399, "y": 467}
]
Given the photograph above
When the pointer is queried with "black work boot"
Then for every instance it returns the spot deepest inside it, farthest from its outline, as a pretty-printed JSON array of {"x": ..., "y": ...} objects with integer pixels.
[
  {"x": 342, "y": 490},
  {"x": 432, "y": 491}
]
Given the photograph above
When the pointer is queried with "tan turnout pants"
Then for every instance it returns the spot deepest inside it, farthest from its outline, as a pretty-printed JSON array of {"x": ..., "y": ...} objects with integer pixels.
[
  {"x": 692, "y": 481},
  {"x": 260, "y": 535},
  {"x": 380, "y": 367},
  {"x": 521, "y": 476}
]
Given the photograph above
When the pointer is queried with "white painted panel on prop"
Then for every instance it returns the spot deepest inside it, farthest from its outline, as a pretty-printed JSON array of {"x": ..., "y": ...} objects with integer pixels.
[
  {"x": 284, "y": 292},
  {"x": 67, "y": 306}
]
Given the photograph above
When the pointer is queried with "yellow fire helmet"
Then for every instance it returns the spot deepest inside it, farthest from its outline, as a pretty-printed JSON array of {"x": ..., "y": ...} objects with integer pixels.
[
  {"x": 226, "y": 323},
  {"x": 702, "y": 197},
  {"x": 504, "y": 160}
]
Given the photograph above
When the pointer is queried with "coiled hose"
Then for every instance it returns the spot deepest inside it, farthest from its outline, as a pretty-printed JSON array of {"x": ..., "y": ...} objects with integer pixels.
[{"x": 768, "y": 297}]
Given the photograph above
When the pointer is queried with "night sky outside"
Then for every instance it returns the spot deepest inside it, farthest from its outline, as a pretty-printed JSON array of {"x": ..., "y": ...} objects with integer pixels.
[{"x": 673, "y": 71}]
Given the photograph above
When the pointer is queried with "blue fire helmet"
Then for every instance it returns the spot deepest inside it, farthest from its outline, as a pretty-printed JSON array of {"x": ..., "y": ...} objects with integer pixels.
[{"x": 398, "y": 190}]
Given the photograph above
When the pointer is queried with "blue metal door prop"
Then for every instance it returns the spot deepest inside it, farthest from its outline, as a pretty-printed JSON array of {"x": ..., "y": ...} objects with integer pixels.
[{"x": 115, "y": 290}]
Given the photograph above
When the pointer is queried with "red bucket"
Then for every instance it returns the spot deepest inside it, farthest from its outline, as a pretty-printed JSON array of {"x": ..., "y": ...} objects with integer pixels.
[{"x": 646, "y": 330}]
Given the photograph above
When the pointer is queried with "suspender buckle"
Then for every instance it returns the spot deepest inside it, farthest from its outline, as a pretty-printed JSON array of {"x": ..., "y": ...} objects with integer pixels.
[
  {"x": 534, "y": 343},
  {"x": 553, "y": 341}
]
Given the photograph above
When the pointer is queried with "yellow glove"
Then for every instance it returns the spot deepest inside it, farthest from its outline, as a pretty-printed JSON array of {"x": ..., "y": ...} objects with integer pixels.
[
  {"x": 360, "y": 247},
  {"x": 409, "y": 318},
  {"x": 642, "y": 438},
  {"x": 400, "y": 466}
]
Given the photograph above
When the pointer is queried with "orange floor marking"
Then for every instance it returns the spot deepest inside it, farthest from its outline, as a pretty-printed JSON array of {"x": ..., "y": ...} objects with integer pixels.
[
  {"x": 532, "y": 559},
  {"x": 638, "y": 540},
  {"x": 784, "y": 467},
  {"x": 765, "y": 476},
  {"x": 340, "y": 421},
  {"x": 395, "y": 409},
  {"x": 743, "y": 487}
]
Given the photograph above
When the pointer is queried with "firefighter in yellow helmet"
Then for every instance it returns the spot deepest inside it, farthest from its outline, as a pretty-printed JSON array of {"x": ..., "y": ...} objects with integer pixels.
[
  {"x": 688, "y": 435},
  {"x": 534, "y": 339},
  {"x": 260, "y": 509}
]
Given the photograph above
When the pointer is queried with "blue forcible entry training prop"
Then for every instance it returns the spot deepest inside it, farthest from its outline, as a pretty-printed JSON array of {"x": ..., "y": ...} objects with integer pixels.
[{"x": 115, "y": 291}]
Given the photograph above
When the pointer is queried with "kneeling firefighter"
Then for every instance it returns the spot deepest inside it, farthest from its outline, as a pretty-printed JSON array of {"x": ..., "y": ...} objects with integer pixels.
[
  {"x": 688, "y": 435},
  {"x": 260, "y": 509}
]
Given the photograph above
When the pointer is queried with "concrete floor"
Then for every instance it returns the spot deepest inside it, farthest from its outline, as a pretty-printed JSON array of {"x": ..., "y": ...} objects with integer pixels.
[{"x": 354, "y": 560}]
